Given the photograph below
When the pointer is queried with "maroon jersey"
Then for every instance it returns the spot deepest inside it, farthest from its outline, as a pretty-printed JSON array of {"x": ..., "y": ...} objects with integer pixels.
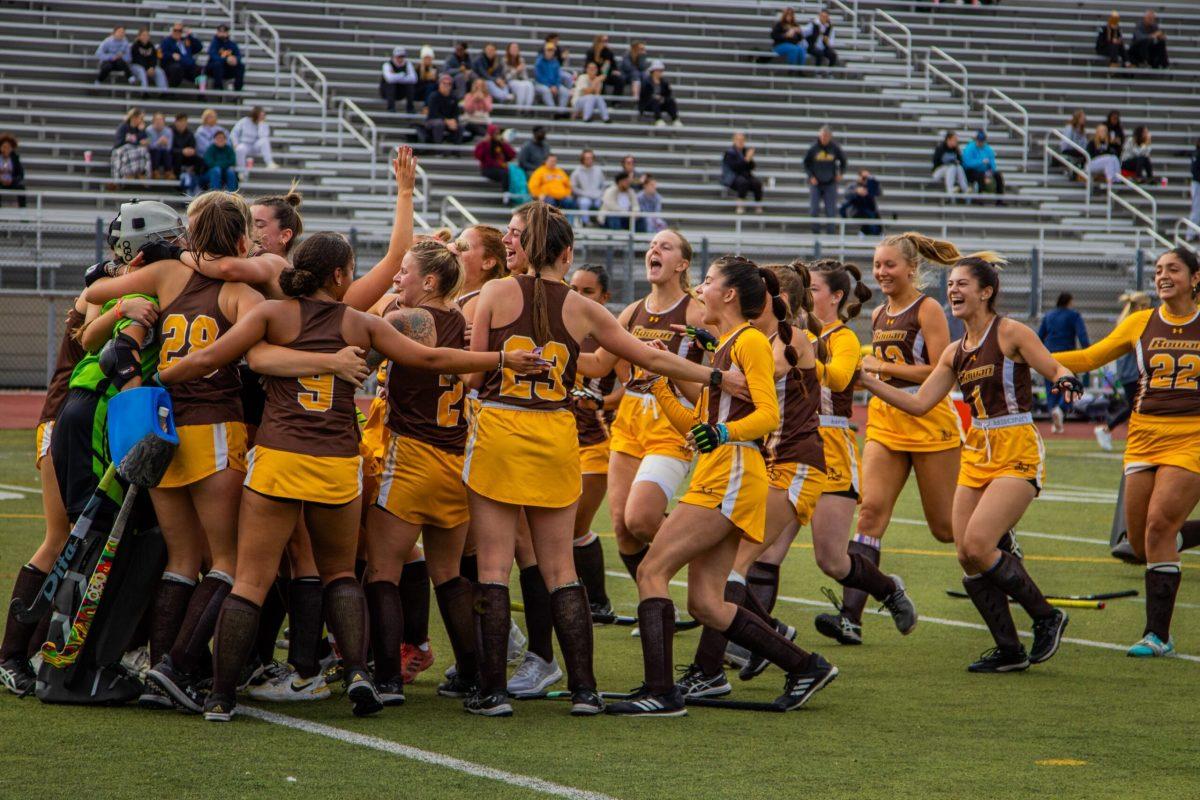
[
  {"x": 992, "y": 384},
  {"x": 724, "y": 407},
  {"x": 316, "y": 415},
  {"x": 798, "y": 437},
  {"x": 592, "y": 424},
  {"x": 656, "y": 325},
  {"x": 428, "y": 406},
  {"x": 1169, "y": 359},
  {"x": 463, "y": 298},
  {"x": 837, "y": 404},
  {"x": 69, "y": 352},
  {"x": 193, "y": 321},
  {"x": 898, "y": 338},
  {"x": 545, "y": 391}
]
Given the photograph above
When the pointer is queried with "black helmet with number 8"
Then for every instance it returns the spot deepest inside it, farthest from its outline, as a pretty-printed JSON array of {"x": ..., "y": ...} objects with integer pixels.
[{"x": 142, "y": 221}]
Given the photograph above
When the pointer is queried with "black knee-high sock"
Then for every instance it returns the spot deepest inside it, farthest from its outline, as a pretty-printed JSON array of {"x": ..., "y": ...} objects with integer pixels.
[
  {"x": 346, "y": 615},
  {"x": 1162, "y": 584},
  {"x": 656, "y": 621},
  {"x": 992, "y": 604},
  {"x": 539, "y": 618},
  {"x": 573, "y": 624},
  {"x": 753, "y": 634},
  {"x": 752, "y": 604},
  {"x": 491, "y": 635},
  {"x": 866, "y": 577},
  {"x": 1189, "y": 535},
  {"x": 1009, "y": 574},
  {"x": 236, "y": 628},
  {"x": 40, "y": 634},
  {"x": 455, "y": 598},
  {"x": 589, "y": 563},
  {"x": 854, "y": 599},
  {"x": 270, "y": 620},
  {"x": 762, "y": 581},
  {"x": 191, "y": 644},
  {"x": 633, "y": 560},
  {"x": 387, "y": 626},
  {"x": 17, "y": 634},
  {"x": 468, "y": 567},
  {"x": 306, "y": 621},
  {"x": 168, "y": 608},
  {"x": 414, "y": 596},
  {"x": 710, "y": 650}
]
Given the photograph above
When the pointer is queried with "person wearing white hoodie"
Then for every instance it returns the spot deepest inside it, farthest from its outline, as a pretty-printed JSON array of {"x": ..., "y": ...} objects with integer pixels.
[
  {"x": 251, "y": 137},
  {"x": 587, "y": 184}
]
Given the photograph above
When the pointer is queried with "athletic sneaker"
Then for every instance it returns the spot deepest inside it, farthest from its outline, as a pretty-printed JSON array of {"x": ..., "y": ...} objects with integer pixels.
[
  {"x": 1056, "y": 420},
  {"x": 695, "y": 683},
  {"x": 289, "y": 686},
  {"x": 457, "y": 686},
  {"x": 218, "y": 708},
  {"x": 136, "y": 662},
  {"x": 516, "y": 643},
  {"x": 1047, "y": 635},
  {"x": 736, "y": 656},
  {"x": 17, "y": 676},
  {"x": 586, "y": 703},
  {"x": 488, "y": 705},
  {"x": 643, "y": 703},
  {"x": 534, "y": 677},
  {"x": 837, "y": 626},
  {"x": 1152, "y": 647},
  {"x": 183, "y": 689},
  {"x": 1103, "y": 437},
  {"x": 269, "y": 673},
  {"x": 603, "y": 610},
  {"x": 901, "y": 607},
  {"x": 755, "y": 665},
  {"x": 801, "y": 686},
  {"x": 1001, "y": 660},
  {"x": 153, "y": 698},
  {"x": 1009, "y": 544},
  {"x": 364, "y": 698},
  {"x": 391, "y": 691},
  {"x": 414, "y": 660},
  {"x": 252, "y": 673}
]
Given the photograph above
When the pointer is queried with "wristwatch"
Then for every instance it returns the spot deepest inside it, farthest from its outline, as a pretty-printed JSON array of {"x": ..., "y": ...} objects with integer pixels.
[{"x": 715, "y": 378}]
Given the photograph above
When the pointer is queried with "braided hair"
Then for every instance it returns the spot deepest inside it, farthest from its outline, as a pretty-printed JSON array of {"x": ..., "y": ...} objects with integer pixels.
[{"x": 754, "y": 285}]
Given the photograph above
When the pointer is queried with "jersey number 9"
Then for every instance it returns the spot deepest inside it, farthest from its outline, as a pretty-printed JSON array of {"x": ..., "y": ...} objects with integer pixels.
[{"x": 316, "y": 393}]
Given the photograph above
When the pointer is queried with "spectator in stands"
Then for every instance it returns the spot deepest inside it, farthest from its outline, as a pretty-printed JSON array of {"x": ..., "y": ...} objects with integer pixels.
[
  {"x": 547, "y": 73},
  {"x": 587, "y": 184},
  {"x": 586, "y": 97},
  {"x": 821, "y": 40},
  {"x": 130, "y": 155},
  {"x": 12, "y": 174},
  {"x": 399, "y": 79},
  {"x": 427, "y": 74},
  {"x": 1149, "y": 43},
  {"x": 629, "y": 164},
  {"x": 493, "y": 154},
  {"x": 551, "y": 184},
  {"x": 441, "y": 113},
  {"x": 160, "y": 138},
  {"x": 1116, "y": 133},
  {"x": 1195, "y": 169},
  {"x": 947, "y": 164},
  {"x": 220, "y": 159},
  {"x": 146, "y": 63},
  {"x": 114, "y": 56},
  {"x": 1061, "y": 329},
  {"x": 552, "y": 40},
  {"x": 655, "y": 98},
  {"x": 1076, "y": 131},
  {"x": 179, "y": 52},
  {"x": 737, "y": 172},
  {"x": 1111, "y": 44},
  {"x": 225, "y": 61},
  {"x": 534, "y": 152},
  {"x": 650, "y": 203},
  {"x": 1106, "y": 156},
  {"x": 458, "y": 67},
  {"x": 860, "y": 202},
  {"x": 251, "y": 138},
  {"x": 1135, "y": 155},
  {"x": 787, "y": 38},
  {"x": 606, "y": 65},
  {"x": 490, "y": 66},
  {"x": 634, "y": 67},
  {"x": 619, "y": 203},
  {"x": 824, "y": 163},
  {"x": 207, "y": 131},
  {"x": 516, "y": 75},
  {"x": 979, "y": 162},
  {"x": 477, "y": 109},
  {"x": 186, "y": 162}
]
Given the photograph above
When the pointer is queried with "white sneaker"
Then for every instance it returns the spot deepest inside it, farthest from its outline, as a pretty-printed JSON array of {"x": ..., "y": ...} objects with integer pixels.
[
  {"x": 660, "y": 123},
  {"x": 137, "y": 661},
  {"x": 533, "y": 677},
  {"x": 678, "y": 123},
  {"x": 290, "y": 687},
  {"x": 516, "y": 643},
  {"x": 272, "y": 165},
  {"x": 1056, "y": 420},
  {"x": 1103, "y": 437}
]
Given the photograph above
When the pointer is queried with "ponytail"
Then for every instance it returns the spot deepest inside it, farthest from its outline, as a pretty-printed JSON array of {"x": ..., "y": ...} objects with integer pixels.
[
  {"x": 811, "y": 323},
  {"x": 847, "y": 279},
  {"x": 917, "y": 248},
  {"x": 780, "y": 309},
  {"x": 546, "y": 236}
]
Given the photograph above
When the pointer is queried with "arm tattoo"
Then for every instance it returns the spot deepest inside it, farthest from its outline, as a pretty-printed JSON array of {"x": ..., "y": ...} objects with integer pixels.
[{"x": 415, "y": 323}]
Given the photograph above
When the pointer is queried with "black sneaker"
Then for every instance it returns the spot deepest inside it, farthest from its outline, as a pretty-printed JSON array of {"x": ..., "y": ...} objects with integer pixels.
[
  {"x": 153, "y": 698},
  {"x": 755, "y": 665},
  {"x": 1001, "y": 660},
  {"x": 1047, "y": 636},
  {"x": 364, "y": 698},
  {"x": 901, "y": 607},
  {"x": 218, "y": 708},
  {"x": 17, "y": 676},
  {"x": 602, "y": 613},
  {"x": 586, "y": 703},
  {"x": 644, "y": 703},
  {"x": 695, "y": 683},
  {"x": 457, "y": 685},
  {"x": 838, "y": 626},
  {"x": 391, "y": 691},
  {"x": 252, "y": 674},
  {"x": 265, "y": 673},
  {"x": 495, "y": 704},
  {"x": 1009, "y": 544},
  {"x": 800, "y": 686},
  {"x": 183, "y": 689}
]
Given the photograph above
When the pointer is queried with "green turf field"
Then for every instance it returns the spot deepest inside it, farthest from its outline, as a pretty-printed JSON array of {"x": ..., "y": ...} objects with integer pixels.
[{"x": 904, "y": 719}]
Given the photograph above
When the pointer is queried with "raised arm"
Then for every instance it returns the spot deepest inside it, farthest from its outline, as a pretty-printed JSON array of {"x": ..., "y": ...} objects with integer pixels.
[
  {"x": 245, "y": 333},
  {"x": 680, "y": 416},
  {"x": 283, "y": 362},
  {"x": 933, "y": 389},
  {"x": 400, "y": 349},
  {"x": 622, "y": 344},
  {"x": 257, "y": 270},
  {"x": 599, "y": 363},
  {"x": 363, "y": 293},
  {"x": 139, "y": 281},
  {"x": 1031, "y": 350},
  {"x": 1119, "y": 342}
]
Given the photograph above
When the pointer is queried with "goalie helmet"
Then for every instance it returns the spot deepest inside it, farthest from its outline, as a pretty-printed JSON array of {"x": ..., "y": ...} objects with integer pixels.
[{"x": 142, "y": 221}]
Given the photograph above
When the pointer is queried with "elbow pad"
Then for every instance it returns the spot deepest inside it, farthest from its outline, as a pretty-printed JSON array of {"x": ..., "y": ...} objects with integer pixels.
[{"x": 120, "y": 360}]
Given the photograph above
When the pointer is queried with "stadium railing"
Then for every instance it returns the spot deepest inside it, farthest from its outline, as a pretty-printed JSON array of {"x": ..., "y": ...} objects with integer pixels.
[
  {"x": 1050, "y": 152},
  {"x": 1150, "y": 220},
  {"x": 962, "y": 87},
  {"x": 1180, "y": 241},
  {"x": 1022, "y": 129},
  {"x": 904, "y": 48}
]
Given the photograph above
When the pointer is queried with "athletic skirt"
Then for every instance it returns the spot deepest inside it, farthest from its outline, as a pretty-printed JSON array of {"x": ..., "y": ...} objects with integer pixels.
[
  {"x": 523, "y": 457},
  {"x": 374, "y": 437},
  {"x": 1155, "y": 441},
  {"x": 422, "y": 484},
  {"x": 42, "y": 437},
  {"x": 206, "y": 450},
  {"x": 940, "y": 429},
  {"x": 1003, "y": 447},
  {"x": 328, "y": 480},
  {"x": 642, "y": 429},
  {"x": 733, "y": 480},
  {"x": 843, "y": 463},
  {"x": 803, "y": 484},
  {"x": 593, "y": 458}
]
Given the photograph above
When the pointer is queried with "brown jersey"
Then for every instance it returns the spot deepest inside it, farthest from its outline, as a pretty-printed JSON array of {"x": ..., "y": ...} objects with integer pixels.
[
  {"x": 545, "y": 391},
  {"x": 837, "y": 404},
  {"x": 591, "y": 423},
  {"x": 314, "y": 416},
  {"x": 464, "y": 298},
  {"x": 656, "y": 325},
  {"x": 428, "y": 406},
  {"x": 193, "y": 321},
  {"x": 798, "y": 437},
  {"x": 992, "y": 384},
  {"x": 898, "y": 338},
  {"x": 70, "y": 350},
  {"x": 722, "y": 407},
  {"x": 1169, "y": 359}
]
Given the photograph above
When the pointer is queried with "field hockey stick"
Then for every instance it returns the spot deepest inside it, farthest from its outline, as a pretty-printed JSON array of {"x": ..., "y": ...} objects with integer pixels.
[
  {"x": 63, "y": 564},
  {"x": 1058, "y": 602},
  {"x": 734, "y": 705},
  {"x": 566, "y": 695},
  {"x": 597, "y": 619}
]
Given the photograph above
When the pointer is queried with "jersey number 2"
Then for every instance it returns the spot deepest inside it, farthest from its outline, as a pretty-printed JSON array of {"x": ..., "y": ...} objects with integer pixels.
[{"x": 1169, "y": 372}]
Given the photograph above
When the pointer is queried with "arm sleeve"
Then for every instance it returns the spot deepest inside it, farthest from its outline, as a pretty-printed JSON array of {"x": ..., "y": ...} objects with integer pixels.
[
  {"x": 843, "y": 360},
  {"x": 680, "y": 416},
  {"x": 754, "y": 356},
  {"x": 1111, "y": 347}
]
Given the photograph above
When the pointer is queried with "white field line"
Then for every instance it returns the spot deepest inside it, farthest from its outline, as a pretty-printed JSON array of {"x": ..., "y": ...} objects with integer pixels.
[
  {"x": 424, "y": 756},
  {"x": 26, "y": 489},
  {"x": 1061, "y": 537}
]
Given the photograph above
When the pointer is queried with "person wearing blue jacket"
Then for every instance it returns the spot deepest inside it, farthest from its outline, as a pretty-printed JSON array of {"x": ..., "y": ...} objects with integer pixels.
[
  {"x": 547, "y": 78},
  {"x": 1061, "y": 329},
  {"x": 225, "y": 61},
  {"x": 979, "y": 162},
  {"x": 179, "y": 52},
  {"x": 114, "y": 55}
]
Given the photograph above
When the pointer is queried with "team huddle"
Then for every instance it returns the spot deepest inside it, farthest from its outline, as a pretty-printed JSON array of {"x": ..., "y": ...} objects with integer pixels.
[{"x": 511, "y": 403}]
